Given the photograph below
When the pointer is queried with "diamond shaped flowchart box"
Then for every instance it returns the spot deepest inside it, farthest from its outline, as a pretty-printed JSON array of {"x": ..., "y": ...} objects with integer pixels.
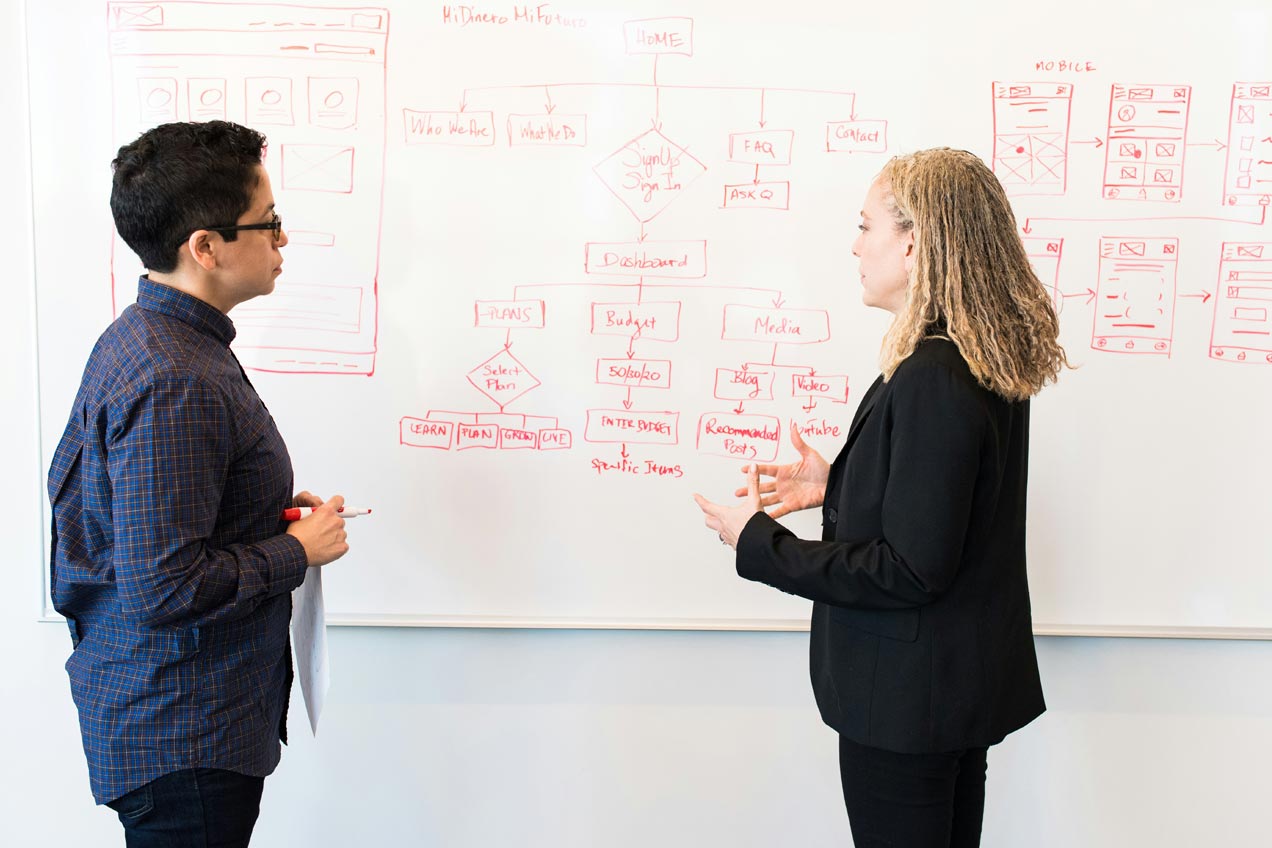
[
  {"x": 502, "y": 378},
  {"x": 649, "y": 172}
]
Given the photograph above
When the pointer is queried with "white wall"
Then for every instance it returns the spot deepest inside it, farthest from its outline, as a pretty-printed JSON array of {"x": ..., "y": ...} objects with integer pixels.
[{"x": 558, "y": 738}]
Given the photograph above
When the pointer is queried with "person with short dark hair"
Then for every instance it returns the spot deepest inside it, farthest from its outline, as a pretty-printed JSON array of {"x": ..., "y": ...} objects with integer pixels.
[
  {"x": 169, "y": 557},
  {"x": 922, "y": 648}
]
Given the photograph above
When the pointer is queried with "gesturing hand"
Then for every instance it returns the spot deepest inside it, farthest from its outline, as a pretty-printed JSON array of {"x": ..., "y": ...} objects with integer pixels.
[
  {"x": 800, "y": 485},
  {"x": 728, "y": 521}
]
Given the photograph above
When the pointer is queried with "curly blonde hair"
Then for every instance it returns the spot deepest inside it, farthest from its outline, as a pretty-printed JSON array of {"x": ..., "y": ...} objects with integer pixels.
[{"x": 971, "y": 281}]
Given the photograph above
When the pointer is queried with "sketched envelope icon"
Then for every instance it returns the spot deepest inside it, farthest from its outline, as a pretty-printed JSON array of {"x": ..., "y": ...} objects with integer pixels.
[
  {"x": 318, "y": 167},
  {"x": 139, "y": 15},
  {"x": 1018, "y": 91},
  {"x": 1139, "y": 94},
  {"x": 1125, "y": 149},
  {"x": 1163, "y": 175},
  {"x": 1129, "y": 174},
  {"x": 1261, "y": 91},
  {"x": 1166, "y": 148},
  {"x": 1131, "y": 248},
  {"x": 1254, "y": 251}
]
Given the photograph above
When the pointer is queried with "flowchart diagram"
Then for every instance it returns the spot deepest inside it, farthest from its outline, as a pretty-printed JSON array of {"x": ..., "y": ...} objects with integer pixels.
[{"x": 642, "y": 277}]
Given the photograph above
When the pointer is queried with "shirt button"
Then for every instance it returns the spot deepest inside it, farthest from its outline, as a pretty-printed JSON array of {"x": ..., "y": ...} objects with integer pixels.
[{"x": 831, "y": 516}]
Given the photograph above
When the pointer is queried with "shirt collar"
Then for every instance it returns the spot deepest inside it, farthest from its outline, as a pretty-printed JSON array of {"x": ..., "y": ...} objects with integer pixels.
[{"x": 203, "y": 317}]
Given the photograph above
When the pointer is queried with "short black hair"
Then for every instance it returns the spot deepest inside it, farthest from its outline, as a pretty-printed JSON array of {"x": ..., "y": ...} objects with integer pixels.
[{"x": 178, "y": 178}]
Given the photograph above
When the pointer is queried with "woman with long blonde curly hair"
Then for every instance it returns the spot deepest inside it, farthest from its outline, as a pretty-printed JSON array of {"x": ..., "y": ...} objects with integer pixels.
[
  {"x": 922, "y": 648},
  {"x": 970, "y": 274}
]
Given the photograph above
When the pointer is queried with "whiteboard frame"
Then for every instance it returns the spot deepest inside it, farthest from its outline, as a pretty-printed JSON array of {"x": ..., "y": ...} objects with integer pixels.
[{"x": 775, "y": 625}]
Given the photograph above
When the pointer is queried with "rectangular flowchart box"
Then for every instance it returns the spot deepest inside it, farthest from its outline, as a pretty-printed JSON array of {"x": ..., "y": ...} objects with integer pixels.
[
  {"x": 659, "y": 36},
  {"x": 521, "y": 314},
  {"x": 632, "y": 426},
  {"x": 857, "y": 137},
  {"x": 762, "y": 147},
  {"x": 544, "y": 130},
  {"x": 457, "y": 129},
  {"x": 830, "y": 386},
  {"x": 418, "y": 433},
  {"x": 680, "y": 260},
  {"x": 743, "y": 384},
  {"x": 634, "y": 373},
  {"x": 762, "y": 195},
  {"x": 657, "y": 320},
  {"x": 476, "y": 436},
  {"x": 770, "y": 324},
  {"x": 753, "y": 438}
]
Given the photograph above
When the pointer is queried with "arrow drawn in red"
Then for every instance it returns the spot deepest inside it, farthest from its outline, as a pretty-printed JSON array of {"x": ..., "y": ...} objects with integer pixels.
[{"x": 1089, "y": 294}]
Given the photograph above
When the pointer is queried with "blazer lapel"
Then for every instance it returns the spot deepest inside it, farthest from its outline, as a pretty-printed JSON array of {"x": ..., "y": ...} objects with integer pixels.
[{"x": 863, "y": 412}]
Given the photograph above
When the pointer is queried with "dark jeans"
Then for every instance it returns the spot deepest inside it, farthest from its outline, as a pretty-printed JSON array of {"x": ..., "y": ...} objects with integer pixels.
[
  {"x": 913, "y": 800},
  {"x": 195, "y": 808}
]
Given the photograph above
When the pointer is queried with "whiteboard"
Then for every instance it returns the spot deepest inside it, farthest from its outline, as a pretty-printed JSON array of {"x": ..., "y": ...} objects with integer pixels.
[{"x": 555, "y": 268}]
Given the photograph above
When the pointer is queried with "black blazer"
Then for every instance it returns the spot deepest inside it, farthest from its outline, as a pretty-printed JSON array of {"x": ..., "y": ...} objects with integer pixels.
[{"x": 921, "y": 639}]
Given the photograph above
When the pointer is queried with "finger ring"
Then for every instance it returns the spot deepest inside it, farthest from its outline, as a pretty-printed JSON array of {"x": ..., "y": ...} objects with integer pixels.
[{"x": 722, "y": 537}]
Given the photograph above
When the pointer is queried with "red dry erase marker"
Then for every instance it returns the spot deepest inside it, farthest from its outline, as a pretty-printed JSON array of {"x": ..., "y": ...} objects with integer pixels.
[{"x": 298, "y": 512}]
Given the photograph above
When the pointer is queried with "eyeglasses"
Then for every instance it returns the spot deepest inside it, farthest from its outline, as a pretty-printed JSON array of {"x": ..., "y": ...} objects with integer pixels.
[{"x": 275, "y": 224}]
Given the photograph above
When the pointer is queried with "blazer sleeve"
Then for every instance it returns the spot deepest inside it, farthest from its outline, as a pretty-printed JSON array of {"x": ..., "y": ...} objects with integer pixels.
[{"x": 938, "y": 426}]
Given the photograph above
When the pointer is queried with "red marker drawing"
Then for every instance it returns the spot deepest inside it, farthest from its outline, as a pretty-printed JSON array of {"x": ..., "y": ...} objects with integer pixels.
[{"x": 298, "y": 512}]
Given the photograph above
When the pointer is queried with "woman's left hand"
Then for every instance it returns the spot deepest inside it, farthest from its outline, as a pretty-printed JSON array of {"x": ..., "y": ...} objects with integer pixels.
[{"x": 728, "y": 521}]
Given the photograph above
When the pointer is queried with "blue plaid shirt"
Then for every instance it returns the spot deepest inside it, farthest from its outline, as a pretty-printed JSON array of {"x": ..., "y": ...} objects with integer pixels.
[{"x": 169, "y": 557}]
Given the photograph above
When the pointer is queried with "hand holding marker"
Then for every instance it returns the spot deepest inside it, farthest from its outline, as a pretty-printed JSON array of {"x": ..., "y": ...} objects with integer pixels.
[{"x": 320, "y": 527}]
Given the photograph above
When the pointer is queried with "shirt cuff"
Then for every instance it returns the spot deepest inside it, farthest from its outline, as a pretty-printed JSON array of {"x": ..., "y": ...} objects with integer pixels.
[{"x": 287, "y": 563}]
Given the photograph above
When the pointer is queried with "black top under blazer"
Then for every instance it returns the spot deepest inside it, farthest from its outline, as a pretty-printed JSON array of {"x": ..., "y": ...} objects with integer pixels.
[{"x": 922, "y": 638}]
